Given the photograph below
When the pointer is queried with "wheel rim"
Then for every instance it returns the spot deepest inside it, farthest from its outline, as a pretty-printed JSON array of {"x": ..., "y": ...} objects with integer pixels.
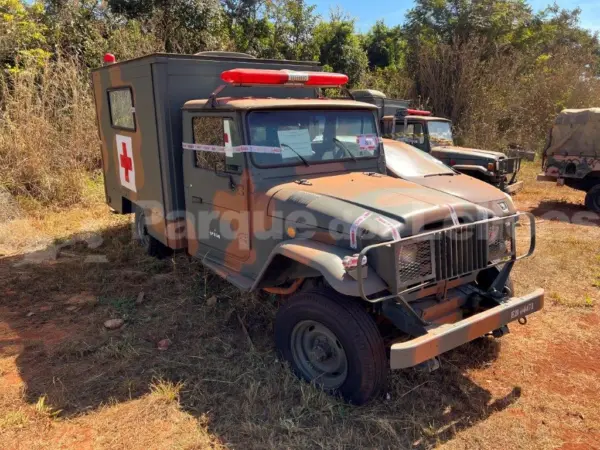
[
  {"x": 142, "y": 231},
  {"x": 318, "y": 354}
]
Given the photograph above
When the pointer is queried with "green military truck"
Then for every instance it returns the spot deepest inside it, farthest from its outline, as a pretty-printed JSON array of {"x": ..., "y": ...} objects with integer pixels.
[
  {"x": 434, "y": 136},
  {"x": 241, "y": 163},
  {"x": 572, "y": 154}
]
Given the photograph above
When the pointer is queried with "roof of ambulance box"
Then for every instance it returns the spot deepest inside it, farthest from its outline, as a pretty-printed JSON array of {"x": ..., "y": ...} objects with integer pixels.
[
  {"x": 288, "y": 103},
  {"x": 209, "y": 56}
]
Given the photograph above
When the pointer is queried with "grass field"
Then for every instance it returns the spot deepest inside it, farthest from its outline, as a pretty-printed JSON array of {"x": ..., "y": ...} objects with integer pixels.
[{"x": 67, "y": 382}]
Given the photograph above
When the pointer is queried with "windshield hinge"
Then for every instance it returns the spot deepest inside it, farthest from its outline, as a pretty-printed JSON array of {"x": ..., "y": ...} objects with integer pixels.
[{"x": 303, "y": 181}]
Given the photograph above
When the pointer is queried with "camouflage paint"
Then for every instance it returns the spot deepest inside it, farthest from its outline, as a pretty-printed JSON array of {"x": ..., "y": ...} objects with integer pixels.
[
  {"x": 256, "y": 203},
  {"x": 444, "y": 337},
  {"x": 571, "y": 166}
]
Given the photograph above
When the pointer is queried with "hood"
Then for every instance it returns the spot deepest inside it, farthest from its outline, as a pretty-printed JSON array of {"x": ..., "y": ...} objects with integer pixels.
[
  {"x": 464, "y": 151},
  {"x": 370, "y": 207},
  {"x": 472, "y": 190}
]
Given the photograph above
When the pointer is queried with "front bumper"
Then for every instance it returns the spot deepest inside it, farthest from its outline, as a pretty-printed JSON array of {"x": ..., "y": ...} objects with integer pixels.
[
  {"x": 546, "y": 178},
  {"x": 441, "y": 338},
  {"x": 513, "y": 188}
]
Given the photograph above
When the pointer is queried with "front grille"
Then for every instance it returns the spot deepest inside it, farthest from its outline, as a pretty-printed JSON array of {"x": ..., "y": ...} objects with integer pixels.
[
  {"x": 509, "y": 165},
  {"x": 454, "y": 252},
  {"x": 461, "y": 250}
]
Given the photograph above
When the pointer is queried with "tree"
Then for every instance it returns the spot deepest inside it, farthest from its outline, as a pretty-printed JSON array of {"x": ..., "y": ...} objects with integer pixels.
[
  {"x": 340, "y": 48},
  {"x": 384, "y": 46},
  {"x": 22, "y": 33},
  {"x": 185, "y": 26},
  {"x": 292, "y": 23}
]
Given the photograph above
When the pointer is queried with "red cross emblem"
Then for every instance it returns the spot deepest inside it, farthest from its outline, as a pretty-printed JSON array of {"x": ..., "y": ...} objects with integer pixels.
[
  {"x": 126, "y": 164},
  {"x": 126, "y": 161}
]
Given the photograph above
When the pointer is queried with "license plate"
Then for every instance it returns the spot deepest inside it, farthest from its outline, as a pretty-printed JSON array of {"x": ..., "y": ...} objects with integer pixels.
[{"x": 522, "y": 310}]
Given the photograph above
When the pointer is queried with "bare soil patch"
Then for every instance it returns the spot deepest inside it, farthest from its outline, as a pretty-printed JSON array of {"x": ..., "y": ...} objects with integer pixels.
[{"x": 68, "y": 382}]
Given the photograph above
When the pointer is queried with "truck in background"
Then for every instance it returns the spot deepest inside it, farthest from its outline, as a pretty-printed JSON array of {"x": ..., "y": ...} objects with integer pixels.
[
  {"x": 572, "y": 154},
  {"x": 434, "y": 135}
]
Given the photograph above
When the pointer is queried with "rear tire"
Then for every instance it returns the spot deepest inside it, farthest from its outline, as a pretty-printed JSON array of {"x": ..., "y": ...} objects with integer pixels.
[
  {"x": 151, "y": 245},
  {"x": 332, "y": 341},
  {"x": 592, "y": 199}
]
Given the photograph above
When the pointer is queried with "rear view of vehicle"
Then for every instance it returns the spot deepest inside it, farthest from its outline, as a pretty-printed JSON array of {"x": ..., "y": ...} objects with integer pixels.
[{"x": 572, "y": 154}]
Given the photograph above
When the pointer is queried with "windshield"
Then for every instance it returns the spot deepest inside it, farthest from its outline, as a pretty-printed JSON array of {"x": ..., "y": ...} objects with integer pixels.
[
  {"x": 310, "y": 137},
  {"x": 440, "y": 132},
  {"x": 406, "y": 161}
]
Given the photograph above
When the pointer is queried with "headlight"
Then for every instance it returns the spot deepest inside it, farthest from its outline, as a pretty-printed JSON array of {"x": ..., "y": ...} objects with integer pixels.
[
  {"x": 493, "y": 232},
  {"x": 408, "y": 254}
]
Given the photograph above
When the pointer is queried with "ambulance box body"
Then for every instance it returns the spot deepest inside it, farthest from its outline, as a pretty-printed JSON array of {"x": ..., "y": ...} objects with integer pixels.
[{"x": 139, "y": 111}]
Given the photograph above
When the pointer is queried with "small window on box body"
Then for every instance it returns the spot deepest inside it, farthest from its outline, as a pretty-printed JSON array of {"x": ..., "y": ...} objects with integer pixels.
[
  {"x": 122, "y": 112},
  {"x": 221, "y": 134}
]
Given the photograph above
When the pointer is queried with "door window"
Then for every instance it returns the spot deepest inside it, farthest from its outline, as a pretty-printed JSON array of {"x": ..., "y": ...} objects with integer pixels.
[{"x": 220, "y": 136}]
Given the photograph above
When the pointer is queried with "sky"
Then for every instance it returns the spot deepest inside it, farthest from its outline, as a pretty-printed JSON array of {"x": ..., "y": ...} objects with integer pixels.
[{"x": 367, "y": 12}]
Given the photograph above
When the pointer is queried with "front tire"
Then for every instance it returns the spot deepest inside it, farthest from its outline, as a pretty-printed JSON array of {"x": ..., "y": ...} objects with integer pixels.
[
  {"x": 332, "y": 341},
  {"x": 592, "y": 199}
]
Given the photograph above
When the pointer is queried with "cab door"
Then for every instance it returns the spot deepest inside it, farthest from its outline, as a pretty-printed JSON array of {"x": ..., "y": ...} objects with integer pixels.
[{"x": 216, "y": 188}]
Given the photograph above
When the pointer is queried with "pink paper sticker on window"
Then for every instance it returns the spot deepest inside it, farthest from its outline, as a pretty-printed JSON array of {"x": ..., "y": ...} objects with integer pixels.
[{"x": 367, "y": 142}]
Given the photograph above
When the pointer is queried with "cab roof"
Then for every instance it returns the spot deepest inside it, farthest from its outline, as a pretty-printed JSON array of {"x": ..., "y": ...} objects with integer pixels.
[
  {"x": 425, "y": 118},
  {"x": 230, "y": 103}
]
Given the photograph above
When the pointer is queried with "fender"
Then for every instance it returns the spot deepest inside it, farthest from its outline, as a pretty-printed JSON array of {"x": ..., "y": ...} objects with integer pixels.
[{"x": 327, "y": 260}]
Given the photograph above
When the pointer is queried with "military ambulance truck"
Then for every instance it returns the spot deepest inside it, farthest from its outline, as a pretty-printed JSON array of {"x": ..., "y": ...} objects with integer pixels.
[{"x": 241, "y": 163}]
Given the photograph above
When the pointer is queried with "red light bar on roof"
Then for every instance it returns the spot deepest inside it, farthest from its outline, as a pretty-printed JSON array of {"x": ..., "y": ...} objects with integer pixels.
[
  {"x": 265, "y": 77},
  {"x": 417, "y": 112}
]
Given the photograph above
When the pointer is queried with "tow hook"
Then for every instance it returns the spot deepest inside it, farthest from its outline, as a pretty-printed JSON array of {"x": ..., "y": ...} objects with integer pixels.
[
  {"x": 499, "y": 332},
  {"x": 429, "y": 366},
  {"x": 523, "y": 320}
]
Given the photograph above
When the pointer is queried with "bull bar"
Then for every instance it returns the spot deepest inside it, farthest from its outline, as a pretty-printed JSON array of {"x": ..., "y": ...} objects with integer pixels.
[{"x": 467, "y": 256}]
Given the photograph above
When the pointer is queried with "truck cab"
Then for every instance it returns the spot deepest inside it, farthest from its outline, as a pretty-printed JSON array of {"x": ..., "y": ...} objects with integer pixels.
[
  {"x": 279, "y": 190},
  {"x": 434, "y": 135}
]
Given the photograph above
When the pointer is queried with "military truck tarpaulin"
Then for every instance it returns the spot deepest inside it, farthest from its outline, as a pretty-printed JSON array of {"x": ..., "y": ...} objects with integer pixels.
[{"x": 126, "y": 166}]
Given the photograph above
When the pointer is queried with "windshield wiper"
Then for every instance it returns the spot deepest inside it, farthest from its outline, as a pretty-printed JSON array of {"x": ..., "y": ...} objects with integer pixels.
[
  {"x": 444, "y": 174},
  {"x": 297, "y": 154},
  {"x": 343, "y": 147}
]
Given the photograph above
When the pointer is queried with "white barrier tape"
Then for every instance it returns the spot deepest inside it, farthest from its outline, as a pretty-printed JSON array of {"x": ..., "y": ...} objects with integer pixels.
[
  {"x": 237, "y": 149},
  {"x": 453, "y": 215},
  {"x": 354, "y": 228},
  {"x": 391, "y": 225}
]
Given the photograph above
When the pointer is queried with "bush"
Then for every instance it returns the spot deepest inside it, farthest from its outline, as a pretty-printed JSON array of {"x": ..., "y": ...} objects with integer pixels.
[{"x": 48, "y": 137}]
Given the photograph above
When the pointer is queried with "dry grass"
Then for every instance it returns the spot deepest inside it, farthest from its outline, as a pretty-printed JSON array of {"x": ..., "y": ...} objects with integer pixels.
[
  {"x": 48, "y": 137},
  {"x": 535, "y": 388}
]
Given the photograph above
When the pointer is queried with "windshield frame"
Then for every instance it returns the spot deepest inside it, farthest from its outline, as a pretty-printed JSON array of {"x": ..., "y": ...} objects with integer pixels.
[{"x": 298, "y": 162}]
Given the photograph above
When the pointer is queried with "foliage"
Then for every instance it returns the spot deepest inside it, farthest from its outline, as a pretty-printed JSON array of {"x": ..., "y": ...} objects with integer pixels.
[
  {"x": 340, "y": 47},
  {"x": 498, "y": 69}
]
